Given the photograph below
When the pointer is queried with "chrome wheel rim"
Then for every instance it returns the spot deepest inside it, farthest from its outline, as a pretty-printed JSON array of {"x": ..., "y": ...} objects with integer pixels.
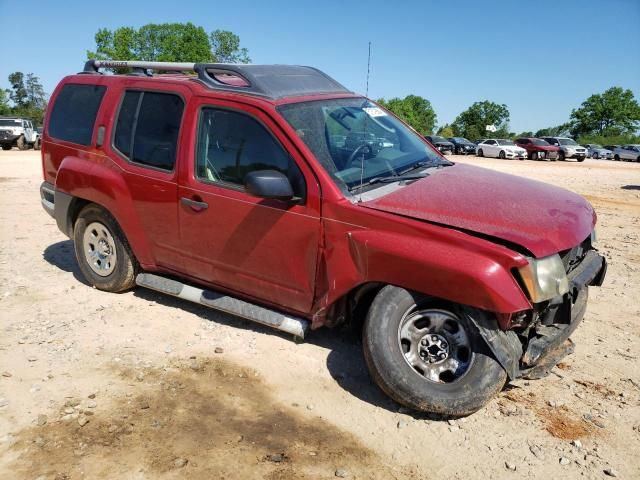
[
  {"x": 435, "y": 344},
  {"x": 99, "y": 249}
]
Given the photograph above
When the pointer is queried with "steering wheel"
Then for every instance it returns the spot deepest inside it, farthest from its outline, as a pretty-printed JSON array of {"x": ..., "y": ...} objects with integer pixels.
[{"x": 355, "y": 152}]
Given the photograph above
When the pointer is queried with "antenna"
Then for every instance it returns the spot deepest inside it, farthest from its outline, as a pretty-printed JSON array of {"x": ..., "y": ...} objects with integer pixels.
[{"x": 365, "y": 125}]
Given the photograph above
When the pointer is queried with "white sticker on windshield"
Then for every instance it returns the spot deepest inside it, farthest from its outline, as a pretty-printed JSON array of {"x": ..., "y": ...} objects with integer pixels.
[{"x": 374, "y": 112}]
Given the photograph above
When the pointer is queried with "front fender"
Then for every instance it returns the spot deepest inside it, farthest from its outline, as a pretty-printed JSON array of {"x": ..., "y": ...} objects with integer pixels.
[{"x": 101, "y": 182}]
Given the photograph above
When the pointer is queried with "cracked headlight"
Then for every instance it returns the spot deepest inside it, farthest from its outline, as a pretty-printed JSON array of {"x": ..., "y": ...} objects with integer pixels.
[{"x": 544, "y": 278}]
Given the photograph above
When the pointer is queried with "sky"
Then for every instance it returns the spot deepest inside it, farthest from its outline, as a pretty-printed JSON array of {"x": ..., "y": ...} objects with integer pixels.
[{"x": 541, "y": 58}]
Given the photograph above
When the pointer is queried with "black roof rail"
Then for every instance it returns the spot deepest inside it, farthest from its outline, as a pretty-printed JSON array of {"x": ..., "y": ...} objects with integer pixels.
[{"x": 270, "y": 81}]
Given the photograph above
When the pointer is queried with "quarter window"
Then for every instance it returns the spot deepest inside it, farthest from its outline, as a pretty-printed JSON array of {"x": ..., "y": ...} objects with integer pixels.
[
  {"x": 232, "y": 144},
  {"x": 74, "y": 113},
  {"x": 147, "y": 128}
]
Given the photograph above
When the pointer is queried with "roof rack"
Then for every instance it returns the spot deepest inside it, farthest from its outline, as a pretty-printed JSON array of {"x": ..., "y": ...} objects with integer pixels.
[{"x": 270, "y": 81}]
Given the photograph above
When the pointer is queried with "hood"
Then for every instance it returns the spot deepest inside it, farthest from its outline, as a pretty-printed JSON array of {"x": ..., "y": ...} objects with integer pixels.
[
  {"x": 539, "y": 217},
  {"x": 545, "y": 148}
]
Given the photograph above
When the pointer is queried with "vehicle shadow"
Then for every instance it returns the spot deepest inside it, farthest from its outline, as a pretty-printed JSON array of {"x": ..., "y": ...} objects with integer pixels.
[
  {"x": 630, "y": 187},
  {"x": 345, "y": 361},
  {"x": 62, "y": 256}
]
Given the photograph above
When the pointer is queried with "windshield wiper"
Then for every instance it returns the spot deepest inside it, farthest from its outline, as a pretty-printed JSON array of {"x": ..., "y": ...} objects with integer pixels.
[
  {"x": 389, "y": 179},
  {"x": 425, "y": 163}
]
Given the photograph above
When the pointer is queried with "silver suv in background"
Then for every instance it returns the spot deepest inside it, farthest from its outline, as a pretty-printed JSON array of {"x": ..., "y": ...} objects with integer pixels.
[
  {"x": 18, "y": 132},
  {"x": 568, "y": 148},
  {"x": 630, "y": 153}
]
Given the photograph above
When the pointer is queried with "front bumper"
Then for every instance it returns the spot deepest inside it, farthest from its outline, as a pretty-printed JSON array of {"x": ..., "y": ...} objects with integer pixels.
[
  {"x": 515, "y": 154},
  {"x": 7, "y": 137},
  {"x": 533, "y": 352},
  {"x": 575, "y": 154}
]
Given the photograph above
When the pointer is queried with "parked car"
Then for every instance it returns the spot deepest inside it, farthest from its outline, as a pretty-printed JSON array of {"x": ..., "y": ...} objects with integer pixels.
[
  {"x": 441, "y": 143},
  {"x": 462, "y": 146},
  {"x": 18, "y": 132},
  {"x": 568, "y": 148},
  {"x": 234, "y": 197},
  {"x": 597, "y": 151},
  {"x": 500, "y": 148},
  {"x": 538, "y": 149},
  {"x": 611, "y": 147},
  {"x": 630, "y": 153}
]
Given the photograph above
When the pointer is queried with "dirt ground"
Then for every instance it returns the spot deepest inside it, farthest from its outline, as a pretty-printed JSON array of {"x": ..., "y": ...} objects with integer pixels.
[{"x": 143, "y": 386}]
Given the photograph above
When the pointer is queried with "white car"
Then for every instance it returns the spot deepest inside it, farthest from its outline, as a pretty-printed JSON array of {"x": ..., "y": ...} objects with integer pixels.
[
  {"x": 500, "y": 148},
  {"x": 630, "y": 153}
]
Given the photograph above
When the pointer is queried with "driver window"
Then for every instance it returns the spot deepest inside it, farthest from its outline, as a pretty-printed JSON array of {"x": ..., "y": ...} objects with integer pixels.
[{"x": 232, "y": 144}]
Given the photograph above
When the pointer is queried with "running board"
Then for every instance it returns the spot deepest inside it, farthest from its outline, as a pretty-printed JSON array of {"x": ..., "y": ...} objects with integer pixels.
[{"x": 218, "y": 301}]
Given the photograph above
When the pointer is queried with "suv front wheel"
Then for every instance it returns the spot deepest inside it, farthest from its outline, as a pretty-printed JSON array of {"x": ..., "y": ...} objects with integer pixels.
[
  {"x": 427, "y": 354},
  {"x": 102, "y": 251}
]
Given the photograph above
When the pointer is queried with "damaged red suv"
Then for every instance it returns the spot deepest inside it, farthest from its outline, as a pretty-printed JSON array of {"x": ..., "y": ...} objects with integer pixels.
[
  {"x": 538, "y": 149},
  {"x": 275, "y": 194}
]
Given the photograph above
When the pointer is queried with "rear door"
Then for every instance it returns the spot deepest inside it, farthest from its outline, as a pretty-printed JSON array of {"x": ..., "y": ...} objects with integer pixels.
[{"x": 264, "y": 249}]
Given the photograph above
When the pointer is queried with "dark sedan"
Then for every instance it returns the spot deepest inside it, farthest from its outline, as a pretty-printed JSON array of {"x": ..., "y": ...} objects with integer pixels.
[
  {"x": 441, "y": 143},
  {"x": 462, "y": 146}
]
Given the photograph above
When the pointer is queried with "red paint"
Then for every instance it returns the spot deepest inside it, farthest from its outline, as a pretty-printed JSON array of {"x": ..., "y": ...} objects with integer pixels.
[
  {"x": 304, "y": 258},
  {"x": 531, "y": 147}
]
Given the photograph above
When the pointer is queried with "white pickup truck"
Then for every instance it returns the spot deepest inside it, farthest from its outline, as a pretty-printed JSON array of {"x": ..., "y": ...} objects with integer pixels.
[{"x": 18, "y": 132}]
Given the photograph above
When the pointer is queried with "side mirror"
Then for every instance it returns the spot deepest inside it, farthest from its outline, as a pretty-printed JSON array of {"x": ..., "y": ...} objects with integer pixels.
[{"x": 268, "y": 184}]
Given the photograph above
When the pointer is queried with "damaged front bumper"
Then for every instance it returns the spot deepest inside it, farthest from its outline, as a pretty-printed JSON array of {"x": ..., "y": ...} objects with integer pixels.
[{"x": 533, "y": 352}]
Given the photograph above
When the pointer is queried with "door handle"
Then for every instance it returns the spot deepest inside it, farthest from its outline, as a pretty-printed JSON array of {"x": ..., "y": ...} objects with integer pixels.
[{"x": 196, "y": 205}]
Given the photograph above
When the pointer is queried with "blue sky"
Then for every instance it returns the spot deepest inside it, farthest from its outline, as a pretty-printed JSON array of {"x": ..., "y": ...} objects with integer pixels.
[{"x": 541, "y": 58}]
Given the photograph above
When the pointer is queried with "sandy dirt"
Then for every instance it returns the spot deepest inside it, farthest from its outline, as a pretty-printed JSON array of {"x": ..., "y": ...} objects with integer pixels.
[{"x": 129, "y": 386}]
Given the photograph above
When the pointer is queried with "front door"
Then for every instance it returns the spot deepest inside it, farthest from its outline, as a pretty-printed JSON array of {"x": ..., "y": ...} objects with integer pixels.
[{"x": 264, "y": 249}]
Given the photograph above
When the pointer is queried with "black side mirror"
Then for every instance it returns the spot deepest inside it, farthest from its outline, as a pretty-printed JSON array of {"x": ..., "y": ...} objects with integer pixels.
[{"x": 268, "y": 184}]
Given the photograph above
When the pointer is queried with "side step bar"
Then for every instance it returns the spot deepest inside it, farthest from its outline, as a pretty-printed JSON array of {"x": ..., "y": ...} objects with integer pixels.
[{"x": 296, "y": 326}]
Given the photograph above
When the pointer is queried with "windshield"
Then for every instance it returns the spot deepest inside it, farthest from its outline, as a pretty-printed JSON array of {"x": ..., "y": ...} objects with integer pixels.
[
  {"x": 6, "y": 122},
  {"x": 594, "y": 145},
  {"x": 566, "y": 141},
  {"x": 461, "y": 140},
  {"x": 347, "y": 134},
  {"x": 502, "y": 141},
  {"x": 542, "y": 143}
]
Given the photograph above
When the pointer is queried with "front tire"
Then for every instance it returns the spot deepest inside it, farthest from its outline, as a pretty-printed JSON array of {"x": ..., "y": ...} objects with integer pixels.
[
  {"x": 428, "y": 355},
  {"x": 595, "y": 155},
  {"x": 6, "y": 146},
  {"x": 502, "y": 155},
  {"x": 480, "y": 153},
  {"x": 561, "y": 156},
  {"x": 21, "y": 143},
  {"x": 36, "y": 144},
  {"x": 102, "y": 251},
  {"x": 616, "y": 157}
]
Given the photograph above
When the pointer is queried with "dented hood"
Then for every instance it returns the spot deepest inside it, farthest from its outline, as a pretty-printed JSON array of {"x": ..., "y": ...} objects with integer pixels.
[{"x": 539, "y": 217}]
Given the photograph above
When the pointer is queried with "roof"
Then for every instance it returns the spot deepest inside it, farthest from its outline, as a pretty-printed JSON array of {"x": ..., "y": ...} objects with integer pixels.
[{"x": 270, "y": 81}]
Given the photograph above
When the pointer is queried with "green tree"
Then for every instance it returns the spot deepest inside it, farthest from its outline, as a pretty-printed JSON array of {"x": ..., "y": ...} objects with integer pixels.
[
  {"x": 168, "y": 42},
  {"x": 561, "y": 130},
  {"x": 473, "y": 121},
  {"x": 18, "y": 92},
  {"x": 414, "y": 110},
  {"x": 27, "y": 95},
  {"x": 5, "y": 108},
  {"x": 446, "y": 131},
  {"x": 614, "y": 112},
  {"x": 525, "y": 134},
  {"x": 225, "y": 47}
]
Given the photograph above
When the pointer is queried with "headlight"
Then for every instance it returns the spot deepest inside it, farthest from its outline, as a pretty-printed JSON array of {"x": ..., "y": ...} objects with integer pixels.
[{"x": 544, "y": 278}]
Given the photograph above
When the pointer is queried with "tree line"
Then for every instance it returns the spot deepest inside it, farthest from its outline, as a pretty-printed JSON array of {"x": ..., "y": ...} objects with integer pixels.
[{"x": 610, "y": 117}]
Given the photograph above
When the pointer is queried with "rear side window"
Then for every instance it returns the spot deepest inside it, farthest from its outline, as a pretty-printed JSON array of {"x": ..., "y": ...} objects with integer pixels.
[
  {"x": 74, "y": 113},
  {"x": 147, "y": 128}
]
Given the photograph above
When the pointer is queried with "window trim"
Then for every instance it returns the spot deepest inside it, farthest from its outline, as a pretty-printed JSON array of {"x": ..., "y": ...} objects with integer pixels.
[
  {"x": 95, "y": 120},
  {"x": 135, "y": 126},
  {"x": 235, "y": 186}
]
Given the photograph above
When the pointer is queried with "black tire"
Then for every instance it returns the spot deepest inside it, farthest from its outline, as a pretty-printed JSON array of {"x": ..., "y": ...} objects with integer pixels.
[
  {"x": 36, "y": 144},
  {"x": 581, "y": 159},
  {"x": 480, "y": 153},
  {"x": 561, "y": 156},
  {"x": 21, "y": 143},
  {"x": 616, "y": 157},
  {"x": 533, "y": 156},
  {"x": 638, "y": 159},
  {"x": 481, "y": 381},
  {"x": 125, "y": 268},
  {"x": 502, "y": 155},
  {"x": 6, "y": 146},
  {"x": 595, "y": 155}
]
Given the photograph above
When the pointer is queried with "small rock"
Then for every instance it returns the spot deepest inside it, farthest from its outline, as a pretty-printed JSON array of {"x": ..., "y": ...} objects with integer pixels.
[
  {"x": 167, "y": 349},
  {"x": 219, "y": 350},
  {"x": 341, "y": 473},
  {"x": 92, "y": 404},
  {"x": 112, "y": 428},
  {"x": 277, "y": 457},
  {"x": 451, "y": 422},
  {"x": 510, "y": 466},
  {"x": 39, "y": 442},
  {"x": 3, "y": 402},
  {"x": 68, "y": 410},
  {"x": 72, "y": 402},
  {"x": 180, "y": 462},
  {"x": 92, "y": 396},
  {"x": 42, "y": 420},
  {"x": 310, "y": 406},
  {"x": 536, "y": 451},
  {"x": 140, "y": 377},
  {"x": 82, "y": 421},
  {"x": 564, "y": 461},
  {"x": 6, "y": 374},
  {"x": 144, "y": 405},
  {"x": 610, "y": 472},
  {"x": 576, "y": 443},
  {"x": 32, "y": 359},
  {"x": 402, "y": 424}
]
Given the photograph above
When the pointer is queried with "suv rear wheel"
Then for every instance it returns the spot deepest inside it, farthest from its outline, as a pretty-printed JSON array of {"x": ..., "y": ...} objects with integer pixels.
[
  {"x": 102, "y": 251},
  {"x": 428, "y": 355},
  {"x": 21, "y": 143}
]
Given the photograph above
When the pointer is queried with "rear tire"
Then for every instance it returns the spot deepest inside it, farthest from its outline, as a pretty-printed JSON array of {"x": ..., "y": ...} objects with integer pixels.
[
  {"x": 471, "y": 384},
  {"x": 36, "y": 144},
  {"x": 480, "y": 153},
  {"x": 616, "y": 157},
  {"x": 561, "y": 156},
  {"x": 21, "y": 143},
  {"x": 595, "y": 155},
  {"x": 102, "y": 251}
]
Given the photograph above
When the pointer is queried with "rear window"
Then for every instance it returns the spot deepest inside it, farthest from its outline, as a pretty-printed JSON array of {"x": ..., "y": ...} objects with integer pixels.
[
  {"x": 74, "y": 113},
  {"x": 147, "y": 128}
]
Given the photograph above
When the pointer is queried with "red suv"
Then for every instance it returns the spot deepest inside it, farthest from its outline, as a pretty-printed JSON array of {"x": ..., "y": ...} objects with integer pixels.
[
  {"x": 538, "y": 149},
  {"x": 276, "y": 194}
]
